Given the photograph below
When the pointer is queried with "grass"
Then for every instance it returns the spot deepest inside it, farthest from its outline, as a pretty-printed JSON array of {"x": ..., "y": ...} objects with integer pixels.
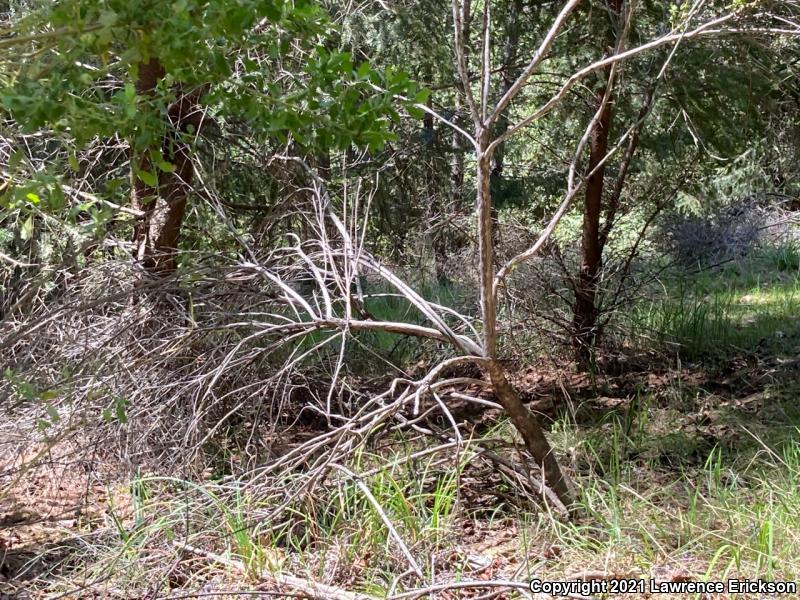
[
  {"x": 659, "y": 495},
  {"x": 784, "y": 257},
  {"x": 727, "y": 513},
  {"x": 748, "y": 307},
  {"x": 679, "y": 479}
]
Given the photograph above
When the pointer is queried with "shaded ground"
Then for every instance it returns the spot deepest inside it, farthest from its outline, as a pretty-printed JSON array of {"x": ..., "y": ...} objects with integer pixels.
[
  {"x": 51, "y": 500},
  {"x": 685, "y": 470},
  {"x": 647, "y": 435}
]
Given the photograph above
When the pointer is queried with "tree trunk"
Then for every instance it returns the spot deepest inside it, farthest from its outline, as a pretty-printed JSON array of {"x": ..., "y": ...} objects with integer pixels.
[
  {"x": 531, "y": 432},
  {"x": 585, "y": 311},
  {"x": 156, "y": 234},
  {"x": 524, "y": 421}
]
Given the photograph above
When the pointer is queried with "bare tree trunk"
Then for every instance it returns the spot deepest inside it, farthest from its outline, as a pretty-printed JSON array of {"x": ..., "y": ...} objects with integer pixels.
[
  {"x": 524, "y": 421},
  {"x": 585, "y": 311},
  {"x": 532, "y": 434},
  {"x": 484, "y": 143}
]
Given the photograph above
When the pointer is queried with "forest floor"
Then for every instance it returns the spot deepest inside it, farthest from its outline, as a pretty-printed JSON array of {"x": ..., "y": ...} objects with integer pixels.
[{"x": 684, "y": 470}]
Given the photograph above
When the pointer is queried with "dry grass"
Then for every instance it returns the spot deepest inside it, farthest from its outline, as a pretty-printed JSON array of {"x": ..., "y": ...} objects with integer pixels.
[{"x": 135, "y": 467}]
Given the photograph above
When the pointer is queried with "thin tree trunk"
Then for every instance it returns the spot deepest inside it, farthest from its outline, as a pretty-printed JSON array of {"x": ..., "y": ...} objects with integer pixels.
[
  {"x": 483, "y": 117},
  {"x": 585, "y": 311},
  {"x": 522, "y": 418},
  {"x": 532, "y": 433},
  {"x": 143, "y": 195},
  {"x": 457, "y": 166},
  {"x": 624, "y": 167},
  {"x": 156, "y": 234}
]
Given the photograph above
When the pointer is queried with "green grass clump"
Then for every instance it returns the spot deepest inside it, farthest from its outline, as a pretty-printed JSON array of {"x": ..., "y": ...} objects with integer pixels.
[
  {"x": 785, "y": 257},
  {"x": 746, "y": 308}
]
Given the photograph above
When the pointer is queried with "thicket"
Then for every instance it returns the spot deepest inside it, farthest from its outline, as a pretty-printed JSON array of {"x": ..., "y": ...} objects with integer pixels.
[{"x": 276, "y": 240}]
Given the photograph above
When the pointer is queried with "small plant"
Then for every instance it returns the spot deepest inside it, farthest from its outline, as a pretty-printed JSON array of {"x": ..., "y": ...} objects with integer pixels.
[{"x": 785, "y": 257}]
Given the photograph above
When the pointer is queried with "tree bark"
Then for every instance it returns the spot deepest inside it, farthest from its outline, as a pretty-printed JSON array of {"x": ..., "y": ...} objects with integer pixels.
[
  {"x": 143, "y": 195},
  {"x": 532, "y": 433},
  {"x": 585, "y": 311},
  {"x": 156, "y": 235},
  {"x": 524, "y": 421}
]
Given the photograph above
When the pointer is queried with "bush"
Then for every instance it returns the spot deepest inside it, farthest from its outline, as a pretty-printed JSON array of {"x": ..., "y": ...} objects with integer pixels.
[{"x": 724, "y": 233}]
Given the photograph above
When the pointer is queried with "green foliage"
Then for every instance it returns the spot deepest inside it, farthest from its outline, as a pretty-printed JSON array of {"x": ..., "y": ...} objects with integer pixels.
[
  {"x": 82, "y": 82},
  {"x": 784, "y": 257},
  {"x": 75, "y": 69},
  {"x": 718, "y": 315}
]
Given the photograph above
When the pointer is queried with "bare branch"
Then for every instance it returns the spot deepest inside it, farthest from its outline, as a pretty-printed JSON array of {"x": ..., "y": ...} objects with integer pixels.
[
  {"x": 537, "y": 58},
  {"x": 486, "y": 66},
  {"x": 709, "y": 29},
  {"x": 460, "y": 16}
]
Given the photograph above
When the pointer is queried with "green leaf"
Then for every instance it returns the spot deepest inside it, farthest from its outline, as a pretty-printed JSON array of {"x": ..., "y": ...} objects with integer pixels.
[
  {"x": 73, "y": 162},
  {"x": 148, "y": 177},
  {"x": 15, "y": 159},
  {"x": 415, "y": 113},
  {"x": 57, "y": 200},
  {"x": 34, "y": 198},
  {"x": 165, "y": 166},
  {"x": 364, "y": 70},
  {"x": 122, "y": 417},
  {"x": 272, "y": 11},
  {"x": 26, "y": 390}
]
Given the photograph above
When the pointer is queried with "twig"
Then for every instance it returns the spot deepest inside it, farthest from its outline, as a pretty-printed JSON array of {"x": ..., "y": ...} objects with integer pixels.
[{"x": 312, "y": 589}]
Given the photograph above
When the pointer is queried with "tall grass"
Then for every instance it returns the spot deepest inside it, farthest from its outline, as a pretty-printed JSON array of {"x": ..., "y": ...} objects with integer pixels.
[
  {"x": 748, "y": 307},
  {"x": 734, "y": 513},
  {"x": 719, "y": 513}
]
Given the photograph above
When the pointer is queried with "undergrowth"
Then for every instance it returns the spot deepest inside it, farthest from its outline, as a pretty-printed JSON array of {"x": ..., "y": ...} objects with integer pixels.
[
  {"x": 661, "y": 494},
  {"x": 745, "y": 307}
]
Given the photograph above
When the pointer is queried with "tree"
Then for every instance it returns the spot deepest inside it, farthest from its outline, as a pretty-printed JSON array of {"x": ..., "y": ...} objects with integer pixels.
[
  {"x": 485, "y": 114},
  {"x": 156, "y": 74},
  {"x": 733, "y": 99},
  {"x": 314, "y": 280}
]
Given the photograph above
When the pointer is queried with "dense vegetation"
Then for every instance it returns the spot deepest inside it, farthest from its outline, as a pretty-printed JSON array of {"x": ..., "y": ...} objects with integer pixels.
[{"x": 397, "y": 299}]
